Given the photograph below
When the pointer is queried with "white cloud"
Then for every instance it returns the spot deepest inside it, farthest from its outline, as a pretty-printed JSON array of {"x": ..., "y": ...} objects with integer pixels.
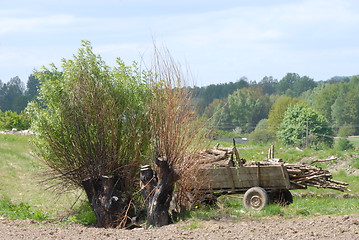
[{"x": 33, "y": 24}]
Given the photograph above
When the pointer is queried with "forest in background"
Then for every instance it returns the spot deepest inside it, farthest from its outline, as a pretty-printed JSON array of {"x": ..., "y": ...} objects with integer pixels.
[{"x": 239, "y": 107}]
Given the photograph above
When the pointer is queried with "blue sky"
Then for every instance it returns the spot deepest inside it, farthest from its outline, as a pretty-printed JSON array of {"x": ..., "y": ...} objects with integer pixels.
[{"x": 220, "y": 41}]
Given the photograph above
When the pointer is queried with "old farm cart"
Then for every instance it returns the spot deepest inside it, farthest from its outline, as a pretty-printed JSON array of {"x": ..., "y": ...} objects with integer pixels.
[{"x": 260, "y": 184}]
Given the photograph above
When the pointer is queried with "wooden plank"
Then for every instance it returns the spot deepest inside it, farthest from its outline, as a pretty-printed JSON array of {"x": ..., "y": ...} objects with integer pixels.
[
  {"x": 258, "y": 175},
  {"x": 285, "y": 176},
  {"x": 246, "y": 177},
  {"x": 230, "y": 178}
]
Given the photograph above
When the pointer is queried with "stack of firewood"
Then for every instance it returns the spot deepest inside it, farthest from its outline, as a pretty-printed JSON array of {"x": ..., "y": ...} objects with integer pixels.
[
  {"x": 215, "y": 157},
  {"x": 308, "y": 175},
  {"x": 303, "y": 175},
  {"x": 219, "y": 157}
]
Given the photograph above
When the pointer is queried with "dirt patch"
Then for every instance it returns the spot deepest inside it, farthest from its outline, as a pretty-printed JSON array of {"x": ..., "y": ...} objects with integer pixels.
[
  {"x": 322, "y": 227},
  {"x": 340, "y": 164},
  {"x": 346, "y": 166}
]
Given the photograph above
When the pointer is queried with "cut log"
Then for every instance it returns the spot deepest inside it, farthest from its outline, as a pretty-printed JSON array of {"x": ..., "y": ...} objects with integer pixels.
[
  {"x": 216, "y": 164},
  {"x": 332, "y": 158},
  {"x": 338, "y": 182}
]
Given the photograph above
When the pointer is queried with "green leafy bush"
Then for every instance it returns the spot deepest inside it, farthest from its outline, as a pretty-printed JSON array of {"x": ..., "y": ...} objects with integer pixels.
[
  {"x": 262, "y": 124},
  {"x": 343, "y": 144},
  {"x": 262, "y": 136},
  {"x": 346, "y": 130},
  {"x": 10, "y": 120},
  {"x": 217, "y": 133},
  {"x": 92, "y": 122}
]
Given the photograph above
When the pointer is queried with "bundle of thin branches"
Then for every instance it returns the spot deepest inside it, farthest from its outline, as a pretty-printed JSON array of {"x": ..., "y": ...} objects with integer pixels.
[
  {"x": 307, "y": 175},
  {"x": 303, "y": 175},
  {"x": 175, "y": 129}
]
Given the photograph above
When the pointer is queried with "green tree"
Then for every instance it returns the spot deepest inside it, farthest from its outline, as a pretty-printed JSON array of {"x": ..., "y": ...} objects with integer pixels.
[
  {"x": 262, "y": 134},
  {"x": 10, "y": 94},
  {"x": 345, "y": 109},
  {"x": 285, "y": 85},
  {"x": 218, "y": 114},
  {"x": 300, "y": 122},
  {"x": 247, "y": 106},
  {"x": 323, "y": 97},
  {"x": 33, "y": 86},
  {"x": 346, "y": 131},
  {"x": 14, "y": 97},
  {"x": 342, "y": 143},
  {"x": 268, "y": 84},
  {"x": 293, "y": 85},
  {"x": 278, "y": 109},
  {"x": 303, "y": 84},
  {"x": 262, "y": 124},
  {"x": 221, "y": 91},
  {"x": 93, "y": 130}
]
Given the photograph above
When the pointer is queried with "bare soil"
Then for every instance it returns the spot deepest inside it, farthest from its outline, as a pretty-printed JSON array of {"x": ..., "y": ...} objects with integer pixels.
[{"x": 321, "y": 227}]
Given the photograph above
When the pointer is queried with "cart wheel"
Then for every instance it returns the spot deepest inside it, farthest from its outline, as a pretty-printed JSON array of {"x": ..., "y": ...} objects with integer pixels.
[
  {"x": 282, "y": 197},
  {"x": 255, "y": 198}
]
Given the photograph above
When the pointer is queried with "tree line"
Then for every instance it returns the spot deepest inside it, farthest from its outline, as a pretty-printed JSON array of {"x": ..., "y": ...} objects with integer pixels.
[
  {"x": 14, "y": 96},
  {"x": 242, "y": 105},
  {"x": 235, "y": 106}
]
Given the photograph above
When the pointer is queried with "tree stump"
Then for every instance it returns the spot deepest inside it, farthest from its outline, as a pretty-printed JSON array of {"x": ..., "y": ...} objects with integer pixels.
[
  {"x": 157, "y": 189},
  {"x": 108, "y": 200}
]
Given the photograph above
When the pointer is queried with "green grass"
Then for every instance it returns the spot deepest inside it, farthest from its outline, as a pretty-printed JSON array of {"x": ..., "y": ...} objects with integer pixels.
[
  {"x": 319, "y": 205},
  {"x": 194, "y": 224},
  {"x": 22, "y": 178},
  {"x": 355, "y": 141},
  {"x": 231, "y": 206},
  {"x": 82, "y": 214},
  {"x": 11, "y": 210},
  {"x": 351, "y": 179},
  {"x": 355, "y": 162}
]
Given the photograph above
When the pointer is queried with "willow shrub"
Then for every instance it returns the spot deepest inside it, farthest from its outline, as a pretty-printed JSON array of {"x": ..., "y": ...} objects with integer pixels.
[{"x": 92, "y": 121}]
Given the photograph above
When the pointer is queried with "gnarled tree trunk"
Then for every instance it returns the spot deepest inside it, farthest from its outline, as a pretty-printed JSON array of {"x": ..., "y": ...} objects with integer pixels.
[
  {"x": 157, "y": 189},
  {"x": 108, "y": 200}
]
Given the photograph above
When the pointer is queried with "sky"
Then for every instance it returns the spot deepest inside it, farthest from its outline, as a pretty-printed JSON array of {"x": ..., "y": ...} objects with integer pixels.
[{"x": 219, "y": 41}]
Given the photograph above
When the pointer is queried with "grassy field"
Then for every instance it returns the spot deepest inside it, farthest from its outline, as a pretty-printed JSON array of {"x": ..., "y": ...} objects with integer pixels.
[
  {"x": 21, "y": 182},
  {"x": 354, "y": 140},
  {"x": 24, "y": 195}
]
